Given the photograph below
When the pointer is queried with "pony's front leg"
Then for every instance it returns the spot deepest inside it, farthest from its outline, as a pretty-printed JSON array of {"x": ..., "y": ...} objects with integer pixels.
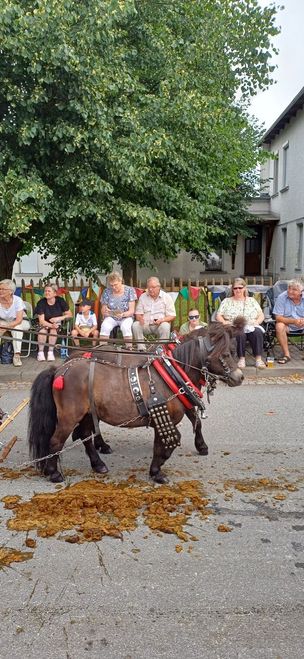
[
  {"x": 160, "y": 455},
  {"x": 199, "y": 441}
]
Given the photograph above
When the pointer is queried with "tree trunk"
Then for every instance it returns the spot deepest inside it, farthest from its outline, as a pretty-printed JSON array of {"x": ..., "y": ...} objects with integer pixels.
[
  {"x": 8, "y": 254},
  {"x": 129, "y": 272}
]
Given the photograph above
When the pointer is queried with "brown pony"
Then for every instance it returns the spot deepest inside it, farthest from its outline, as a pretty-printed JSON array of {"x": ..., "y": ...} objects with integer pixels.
[{"x": 54, "y": 414}]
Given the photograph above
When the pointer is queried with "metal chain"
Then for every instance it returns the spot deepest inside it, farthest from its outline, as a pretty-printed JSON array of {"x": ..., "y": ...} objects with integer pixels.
[{"x": 82, "y": 441}]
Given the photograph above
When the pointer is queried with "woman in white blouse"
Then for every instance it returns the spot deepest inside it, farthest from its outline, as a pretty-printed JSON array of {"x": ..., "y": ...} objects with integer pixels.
[
  {"x": 11, "y": 316},
  {"x": 240, "y": 304}
]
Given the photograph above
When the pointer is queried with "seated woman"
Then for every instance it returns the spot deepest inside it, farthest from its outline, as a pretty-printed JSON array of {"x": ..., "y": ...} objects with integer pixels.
[
  {"x": 52, "y": 311},
  {"x": 194, "y": 322},
  {"x": 117, "y": 308},
  {"x": 12, "y": 317},
  {"x": 240, "y": 304},
  {"x": 85, "y": 323}
]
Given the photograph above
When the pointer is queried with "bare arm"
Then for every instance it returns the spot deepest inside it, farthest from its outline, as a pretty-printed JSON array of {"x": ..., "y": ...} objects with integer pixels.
[
  {"x": 130, "y": 312},
  {"x": 12, "y": 323},
  {"x": 299, "y": 322},
  {"x": 140, "y": 318},
  {"x": 222, "y": 320},
  {"x": 260, "y": 318},
  {"x": 166, "y": 319}
]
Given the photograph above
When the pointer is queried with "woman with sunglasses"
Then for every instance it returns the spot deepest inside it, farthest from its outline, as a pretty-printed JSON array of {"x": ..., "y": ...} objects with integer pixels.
[
  {"x": 193, "y": 323},
  {"x": 240, "y": 304}
]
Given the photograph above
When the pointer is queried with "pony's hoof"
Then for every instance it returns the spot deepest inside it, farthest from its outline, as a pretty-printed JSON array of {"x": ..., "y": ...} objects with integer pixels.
[
  {"x": 104, "y": 448},
  {"x": 101, "y": 469},
  {"x": 56, "y": 477},
  {"x": 203, "y": 451},
  {"x": 160, "y": 478}
]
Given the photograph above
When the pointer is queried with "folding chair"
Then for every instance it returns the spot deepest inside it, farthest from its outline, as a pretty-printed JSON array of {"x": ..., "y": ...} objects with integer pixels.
[
  {"x": 30, "y": 332},
  {"x": 270, "y": 339}
]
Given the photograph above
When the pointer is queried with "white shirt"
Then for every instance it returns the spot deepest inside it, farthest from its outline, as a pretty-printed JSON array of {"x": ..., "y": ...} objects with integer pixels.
[
  {"x": 82, "y": 321},
  {"x": 155, "y": 309},
  {"x": 11, "y": 313}
]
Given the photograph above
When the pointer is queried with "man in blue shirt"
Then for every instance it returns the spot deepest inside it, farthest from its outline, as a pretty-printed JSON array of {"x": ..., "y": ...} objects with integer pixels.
[{"x": 289, "y": 314}]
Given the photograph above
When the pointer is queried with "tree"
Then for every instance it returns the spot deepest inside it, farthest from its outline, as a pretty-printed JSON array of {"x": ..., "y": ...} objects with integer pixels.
[{"x": 121, "y": 132}]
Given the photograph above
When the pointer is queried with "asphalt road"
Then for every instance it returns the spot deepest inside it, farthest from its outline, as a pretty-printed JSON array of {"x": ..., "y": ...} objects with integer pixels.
[{"x": 234, "y": 595}]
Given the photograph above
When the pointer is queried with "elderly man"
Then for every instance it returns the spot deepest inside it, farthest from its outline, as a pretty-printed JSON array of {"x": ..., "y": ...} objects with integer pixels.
[
  {"x": 289, "y": 315},
  {"x": 154, "y": 312}
]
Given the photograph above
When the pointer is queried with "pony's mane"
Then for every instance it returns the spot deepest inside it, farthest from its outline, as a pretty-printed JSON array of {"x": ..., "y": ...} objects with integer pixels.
[{"x": 187, "y": 351}]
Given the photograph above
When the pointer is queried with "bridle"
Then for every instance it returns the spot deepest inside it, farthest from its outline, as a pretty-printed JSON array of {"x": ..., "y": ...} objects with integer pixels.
[{"x": 206, "y": 348}]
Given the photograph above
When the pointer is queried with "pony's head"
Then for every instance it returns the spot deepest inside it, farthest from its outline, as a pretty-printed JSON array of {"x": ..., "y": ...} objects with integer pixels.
[{"x": 214, "y": 348}]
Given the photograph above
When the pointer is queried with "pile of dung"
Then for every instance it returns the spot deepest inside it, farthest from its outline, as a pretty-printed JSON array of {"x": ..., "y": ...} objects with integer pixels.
[
  {"x": 93, "y": 509},
  {"x": 13, "y": 474},
  {"x": 8, "y": 556},
  {"x": 256, "y": 484},
  {"x": 30, "y": 472}
]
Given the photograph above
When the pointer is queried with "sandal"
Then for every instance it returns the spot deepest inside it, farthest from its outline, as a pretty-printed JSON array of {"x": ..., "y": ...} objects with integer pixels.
[
  {"x": 260, "y": 364},
  {"x": 284, "y": 360}
]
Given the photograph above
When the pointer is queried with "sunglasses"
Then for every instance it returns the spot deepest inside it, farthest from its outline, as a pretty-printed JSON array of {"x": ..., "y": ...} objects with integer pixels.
[
  {"x": 238, "y": 288},
  {"x": 193, "y": 317}
]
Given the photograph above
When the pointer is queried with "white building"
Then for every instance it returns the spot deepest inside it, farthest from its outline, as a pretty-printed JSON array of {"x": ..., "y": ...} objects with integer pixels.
[{"x": 281, "y": 205}]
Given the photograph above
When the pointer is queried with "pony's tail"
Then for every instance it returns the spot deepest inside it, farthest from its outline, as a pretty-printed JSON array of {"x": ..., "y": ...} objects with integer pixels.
[{"x": 42, "y": 416}]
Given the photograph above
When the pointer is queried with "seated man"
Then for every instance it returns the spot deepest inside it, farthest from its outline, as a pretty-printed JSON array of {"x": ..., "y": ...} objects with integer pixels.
[
  {"x": 154, "y": 312},
  {"x": 289, "y": 315}
]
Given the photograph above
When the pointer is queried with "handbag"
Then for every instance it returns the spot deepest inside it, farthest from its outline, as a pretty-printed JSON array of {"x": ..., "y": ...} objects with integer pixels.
[{"x": 6, "y": 352}]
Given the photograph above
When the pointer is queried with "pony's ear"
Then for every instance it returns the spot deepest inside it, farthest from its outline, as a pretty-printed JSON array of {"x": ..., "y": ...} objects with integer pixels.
[{"x": 239, "y": 324}]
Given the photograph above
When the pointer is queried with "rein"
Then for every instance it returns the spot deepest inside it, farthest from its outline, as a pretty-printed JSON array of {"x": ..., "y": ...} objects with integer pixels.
[{"x": 206, "y": 348}]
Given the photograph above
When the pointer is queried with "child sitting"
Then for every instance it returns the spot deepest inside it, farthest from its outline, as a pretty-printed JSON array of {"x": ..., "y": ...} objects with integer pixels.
[{"x": 85, "y": 323}]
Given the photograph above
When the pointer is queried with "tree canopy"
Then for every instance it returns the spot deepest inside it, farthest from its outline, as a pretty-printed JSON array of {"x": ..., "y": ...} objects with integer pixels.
[{"x": 124, "y": 126}]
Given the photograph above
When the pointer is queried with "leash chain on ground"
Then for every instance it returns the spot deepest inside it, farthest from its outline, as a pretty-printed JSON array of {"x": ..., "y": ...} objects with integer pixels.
[{"x": 80, "y": 441}]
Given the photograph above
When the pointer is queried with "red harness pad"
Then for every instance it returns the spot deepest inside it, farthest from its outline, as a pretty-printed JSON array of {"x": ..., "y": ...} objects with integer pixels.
[
  {"x": 181, "y": 371},
  {"x": 171, "y": 384}
]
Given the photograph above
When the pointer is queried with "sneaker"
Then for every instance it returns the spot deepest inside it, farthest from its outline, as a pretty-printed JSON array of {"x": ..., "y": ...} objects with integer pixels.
[
  {"x": 241, "y": 362},
  {"x": 260, "y": 364},
  {"x": 40, "y": 357},
  {"x": 51, "y": 356},
  {"x": 17, "y": 361}
]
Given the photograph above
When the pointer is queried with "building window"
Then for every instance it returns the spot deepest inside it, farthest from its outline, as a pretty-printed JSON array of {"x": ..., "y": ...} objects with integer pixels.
[
  {"x": 275, "y": 183},
  {"x": 213, "y": 261},
  {"x": 29, "y": 264},
  {"x": 299, "y": 260},
  {"x": 284, "y": 247},
  {"x": 284, "y": 165}
]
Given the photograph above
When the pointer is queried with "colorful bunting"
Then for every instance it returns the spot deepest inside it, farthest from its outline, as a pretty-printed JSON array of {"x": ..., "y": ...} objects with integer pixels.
[
  {"x": 174, "y": 295},
  {"x": 139, "y": 291},
  {"x": 185, "y": 293},
  {"x": 96, "y": 289},
  {"x": 194, "y": 292},
  {"x": 75, "y": 296}
]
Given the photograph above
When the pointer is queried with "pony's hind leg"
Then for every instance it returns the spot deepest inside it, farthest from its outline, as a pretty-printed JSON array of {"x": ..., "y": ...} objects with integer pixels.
[
  {"x": 160, "y": 455},
  {"x": 96, "y": 463},
  {"x": 57, "y": 442},
  {"x": 101, "y": 445},
  {"x": 99, "y": 442},
  {"x": 199, "y": 441},
  {"x": 83, "y": 431}
]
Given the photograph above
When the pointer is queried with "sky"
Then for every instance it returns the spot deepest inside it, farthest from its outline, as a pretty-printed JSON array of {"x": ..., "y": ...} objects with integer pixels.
[{"x": 289, "y": 74}]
